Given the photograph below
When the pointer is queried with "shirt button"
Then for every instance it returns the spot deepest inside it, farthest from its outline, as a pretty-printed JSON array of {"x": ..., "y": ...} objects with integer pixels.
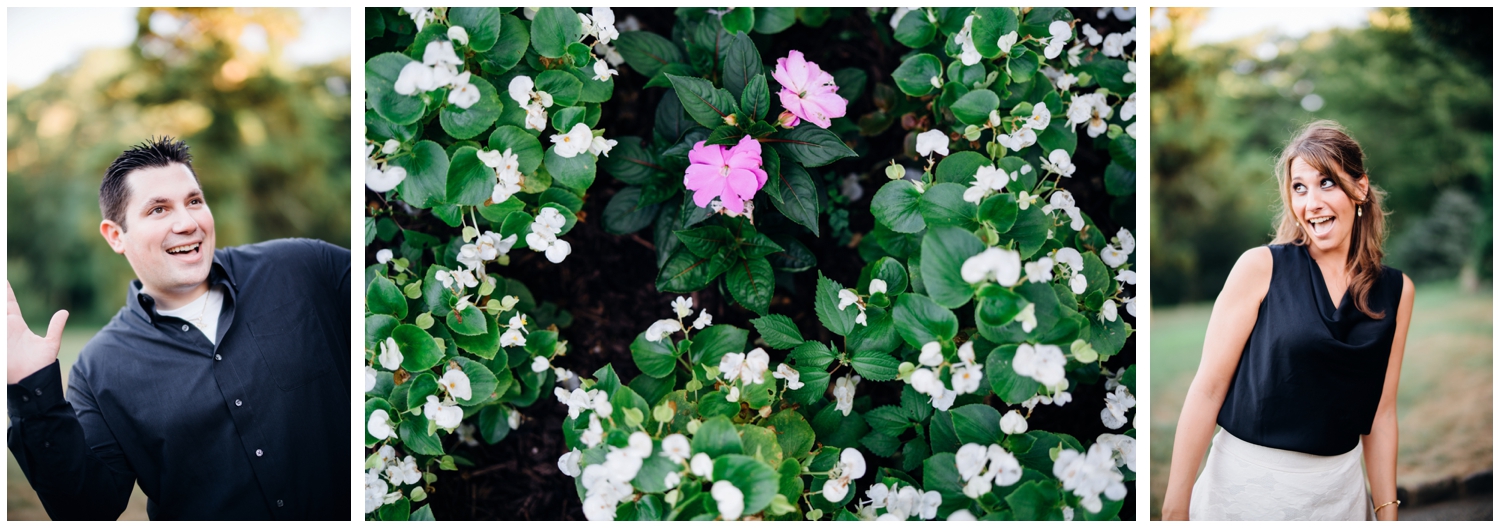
[
  {"x": 218, "y": 357},
  {"x": 184, "y": 328},
  {"x": 24, "y": 398},
  {"x": 259, "y": 452},
  {"x": 47, "y": 444},
  {"x": 39, "y": 392},
  {"x": 238, "y": 403},
  {"x": 278, "y": 503}
]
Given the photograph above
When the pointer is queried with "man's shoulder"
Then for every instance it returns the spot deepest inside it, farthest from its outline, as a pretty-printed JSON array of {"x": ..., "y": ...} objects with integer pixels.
[
  {"x": 116, "y": 339},
  {"x": 280, "y": 249}
]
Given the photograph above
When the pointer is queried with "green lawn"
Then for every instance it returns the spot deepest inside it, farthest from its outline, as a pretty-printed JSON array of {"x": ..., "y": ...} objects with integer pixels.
[
  {"x": 21, "y": 501},
  {"x": 1445, "y": 403}
]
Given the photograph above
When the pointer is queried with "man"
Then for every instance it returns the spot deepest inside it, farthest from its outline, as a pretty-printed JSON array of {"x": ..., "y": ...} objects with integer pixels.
[{"x": 222, "y": 386}]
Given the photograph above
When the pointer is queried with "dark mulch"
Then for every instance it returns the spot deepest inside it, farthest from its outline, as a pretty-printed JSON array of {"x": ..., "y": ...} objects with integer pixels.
[{"x": 608, "y": 286}]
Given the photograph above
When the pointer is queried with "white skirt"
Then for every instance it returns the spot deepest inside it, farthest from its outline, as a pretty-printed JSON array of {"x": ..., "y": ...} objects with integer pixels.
[{"x": 1248, "y": 482}]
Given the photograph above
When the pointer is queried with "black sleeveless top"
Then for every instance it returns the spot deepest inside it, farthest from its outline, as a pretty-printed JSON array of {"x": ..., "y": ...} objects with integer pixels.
[{"x": 1310, "y": 377}]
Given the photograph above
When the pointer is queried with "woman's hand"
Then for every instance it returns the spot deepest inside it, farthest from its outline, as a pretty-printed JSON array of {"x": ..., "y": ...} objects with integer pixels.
[
  {"x": 1380, "y": 445},
  {"x": 1229, "y": 328}
]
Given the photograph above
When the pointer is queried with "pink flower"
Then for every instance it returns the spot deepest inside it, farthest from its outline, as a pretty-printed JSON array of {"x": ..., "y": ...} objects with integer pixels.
[
  {"x": 807, "y": 91},
  {"x": 733, "y": 175}
]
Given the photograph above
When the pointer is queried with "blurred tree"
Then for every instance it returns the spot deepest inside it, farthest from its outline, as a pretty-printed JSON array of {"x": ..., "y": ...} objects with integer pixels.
[
  {"x": 270, "y": 144},
  {"x": 1221, "y": 113}
]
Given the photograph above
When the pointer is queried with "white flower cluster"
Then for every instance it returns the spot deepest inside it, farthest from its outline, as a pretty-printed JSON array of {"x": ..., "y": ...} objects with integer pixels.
[
  {"x": 994, "y": 264},
  {"x": 989, "y": 180},
  {"x": 1088, "y": 475},
  {"x": 969, "y": 54},
  {"x": 1025, "y": 136},
  {"x": 964, "y": 375},
  {"x": 387, "y": 468},
  {"x": 849, "y": 296},
  {"x": 1062, "y": 200},
  {"x": 1059, "y": 162},
  {"x": 1116, "y": 404},
  {"x": 420, "y": 15},
  {"x": 981, "y": 468},
  {"x": 1091, "y": 109},
  {"x": 515, "y": 333},
  {"x": 1058, "y": 398},
  {"x": 851, "y": 466},
  {"x": 445, "y": 412},
  {"x": 682, "y": 307},
  {"x": 543, "y": 236},
  {"x": 932, "y": 141},
  {"x": 601, "y": 25},
  {"x": 486, "y": 247},
  {"x": 380, "y": 176},
  {"x": 1122, "y": 448},
  {"x": 843, "y": 393},
  {"x": 522, "y": 91},
  {"x": 901, "y": 502},
  {"x": 1043, "y": 363},
  {"x": 581, "y": 139},
  {"x": 749, "y": 369},
  {"x": 1114, "y": 44},
  {"x": 579, "y": 400},
  {"x": 1117, "y": 256},
  {"x": 439, "y": 69},
  {"x": 607, "y": 484},
  {"x": 1061, "y": 32},
  {"x": 507, "y": 167}
]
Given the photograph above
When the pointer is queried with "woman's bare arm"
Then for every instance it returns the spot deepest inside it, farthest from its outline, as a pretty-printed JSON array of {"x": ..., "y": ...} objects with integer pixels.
[
  {"x": 1229, "y": 327},
  {"x": 1380, "y": 444}
]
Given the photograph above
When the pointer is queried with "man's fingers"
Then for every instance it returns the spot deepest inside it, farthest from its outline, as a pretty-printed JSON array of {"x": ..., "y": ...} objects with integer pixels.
[
  {"x": 55, "y": 330},
  {"x": 11, "y": 308}
]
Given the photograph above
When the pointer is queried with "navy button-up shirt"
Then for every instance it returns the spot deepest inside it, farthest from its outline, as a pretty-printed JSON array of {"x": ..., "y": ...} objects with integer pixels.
[{"x": 254, "y": 428}]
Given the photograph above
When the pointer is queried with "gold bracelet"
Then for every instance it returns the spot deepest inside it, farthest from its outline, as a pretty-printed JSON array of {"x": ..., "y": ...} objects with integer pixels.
[{"x": 1396, "y": 502}]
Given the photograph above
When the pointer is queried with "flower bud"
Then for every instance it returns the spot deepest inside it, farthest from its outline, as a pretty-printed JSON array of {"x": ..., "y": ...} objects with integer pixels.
[
  {"x": 692, "y": 426},
  {"x": 459, "y": 35},
  {"x": 971, "y": 133},
  {"x": 390, "y": 146},
  {"x": 937, "y": 83},
  {"x": 787, "y": 119},
  {"x": 731, "y": 120},
  {"x": 765, "y": 412},
  {"x": 895, "y": 171}
]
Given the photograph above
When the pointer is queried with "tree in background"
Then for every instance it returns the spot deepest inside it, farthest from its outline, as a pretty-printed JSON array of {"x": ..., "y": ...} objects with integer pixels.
[{"x": 270, "y": 142}]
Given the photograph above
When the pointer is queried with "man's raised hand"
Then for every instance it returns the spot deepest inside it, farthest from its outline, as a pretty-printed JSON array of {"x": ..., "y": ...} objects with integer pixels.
[{"x": 26, "y": 352}]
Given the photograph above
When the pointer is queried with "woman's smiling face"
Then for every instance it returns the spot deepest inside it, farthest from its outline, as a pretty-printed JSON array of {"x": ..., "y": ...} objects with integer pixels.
[{"x": 1325, "y": 212}]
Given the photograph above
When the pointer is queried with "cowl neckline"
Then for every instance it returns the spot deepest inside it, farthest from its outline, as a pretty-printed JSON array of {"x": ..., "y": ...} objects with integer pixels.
[{"x": 1339, "y": 320}]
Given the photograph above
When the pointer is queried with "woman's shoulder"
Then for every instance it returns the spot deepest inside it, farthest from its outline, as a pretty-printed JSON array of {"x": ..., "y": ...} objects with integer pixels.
[{"x": 1252, "y": 272}]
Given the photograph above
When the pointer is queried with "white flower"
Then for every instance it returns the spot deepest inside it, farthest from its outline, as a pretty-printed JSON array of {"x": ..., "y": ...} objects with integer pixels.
[
  {"x": 604, "y": 25},
  {"x": 379, "y": 425},
  {"x": 610, "y": 54},
  {"x": 1123, "y": 448},
  {"x": 1109, "y": 312},
  {"x": 390, "y": 354},
  {"x": 1088, "y": 475},
  {"x": 457, "y": 384},
  {"x": 961, "y": 515},
  {"x": 577, "y": 400},
  {"x": 1127, "y": 241},
  {"x": 757, "y": 362},
  {"x": 576, "y": 141},
  {"x": 1062, "y": 200},
  {"x": 1001, "y": 265},
  {"x": 465, "y": 95},
  {"x": 1130, "y": 307},
  {"x": 846, "y": 298},
  {"x": 730, "y": 500},
  {"x": 602, "y": 71},
  {"x": 877, "y": 286},
  {"x": 676, "y": 447},
  {"x": 1127, "y": 108},
  {"x": 521, "y": 90},
  {"x": 851, "y": 467},
  {"x": 597, "y": 509},
  {"x": 942, "y": 403},
  {"x": 925, "y": 381},
  {"x": 672, "y": 480},
  {"x": 568, "y": 463},
  {"x": 966, "y": 378},
  {"x": 1116, "y": 404},
  {"x": 1012, "y": 423},
  {"x": 932, "y": 354},
  {"x": 375, "y": 489},
  {"x": 1113, "y": 256},
  {"x": 601, "y": 147},
  {"x": 383, "y": 256},
  {"x": 1059, "y": 162},
  {"x": 682, "y": 306},
  {"x": 792, "y": 377},
  {"x": 702, "y": 466},
  {"x": 987, "y": 181},
  {"x": 843, "y": 394},
  {"x": 1067, "y": 514},
  {"x": 1125, "y": 276},
  {"x": 1079, "y": 283},
  {"x": 1039, "y": 271},
  {"x": 1094, "y": 38},
  {"x": 1044, "y": 363},
  {"x": 459, "y": 35},
  {"x": 1131, "y": 130},
  {"x": 1114, "y": 45},
  {"x": 970, "y": 460},
  {"x": 446, "y": 414},
  {"x": 932, "y": 141},
  {"x": 404, "y": 472},
  {"x": 1061, "y": 32},
  {"x": 513, "y": 419},
  {"x": 1075, "y": 54},
  {"x": 512, "y": 338},
  {"x": 384, "y": 179},
  {"x": 704, "y": 320},
  {"x": 1069, "y": 256},
  {"x": 903, "y": 502},
  {"x": 1066, "y": 81},
  {"x": 415, "y": 77},
  {"x": 638, "y": 445},
  {"x": 877, "y": 494},
  {"x": 734, "y": 394},
  {"x": 1020, "y": 139},
  {"x": 420, "y": 15},
  {"x": 966, "y": 353},
  {"x": 594, "y": 434},
  {"x": 1129, "y": 77},
  {"x": 1006, "y": 42},
  {"x": 1004, "y": 467},
  {"x": 540, "y": 364},
  {"x": 1027, "y": 317},
  {"x": 1040, "y": 117},
  {"x": 536, "y": 117},
  {"x": 370, "y": 378},
  {"x": 968, "y": 54}
]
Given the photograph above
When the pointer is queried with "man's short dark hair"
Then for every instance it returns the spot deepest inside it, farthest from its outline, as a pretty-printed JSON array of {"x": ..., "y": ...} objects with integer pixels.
[{"x": 114, "y": 192}]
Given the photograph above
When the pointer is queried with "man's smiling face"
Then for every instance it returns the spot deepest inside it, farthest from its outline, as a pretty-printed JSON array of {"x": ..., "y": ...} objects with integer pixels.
[{"x": 168, "y": 233}]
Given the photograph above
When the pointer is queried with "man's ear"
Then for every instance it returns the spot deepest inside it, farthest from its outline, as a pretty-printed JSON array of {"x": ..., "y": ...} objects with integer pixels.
[{"x": 114, "y": 234}]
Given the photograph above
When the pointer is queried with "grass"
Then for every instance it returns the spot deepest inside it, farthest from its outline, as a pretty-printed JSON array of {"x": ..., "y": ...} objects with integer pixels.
[
  {"x": 21, "y": 501},
  {"x": 1444, "y": 405}
]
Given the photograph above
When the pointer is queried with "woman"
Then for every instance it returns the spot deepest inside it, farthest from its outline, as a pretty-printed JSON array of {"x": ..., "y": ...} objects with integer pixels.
[{"x": 1302, "y": 358}]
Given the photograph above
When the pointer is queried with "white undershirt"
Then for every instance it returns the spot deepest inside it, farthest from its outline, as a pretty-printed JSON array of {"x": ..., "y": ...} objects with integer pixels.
[{"x": 203, "y": 312}]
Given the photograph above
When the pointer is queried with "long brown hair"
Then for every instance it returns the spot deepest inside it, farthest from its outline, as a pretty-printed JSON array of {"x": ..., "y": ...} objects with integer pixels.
[{"x": 1327, "y": 147}]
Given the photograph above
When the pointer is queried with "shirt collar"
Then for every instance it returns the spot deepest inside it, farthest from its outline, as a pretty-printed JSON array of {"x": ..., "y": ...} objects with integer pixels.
[{"x": 144, "y": 306}]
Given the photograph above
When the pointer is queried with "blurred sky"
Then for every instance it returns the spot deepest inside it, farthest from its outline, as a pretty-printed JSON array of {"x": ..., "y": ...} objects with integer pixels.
[
  {"x": 39, "y": 45},
  {"x": 1224, "y": 24}
]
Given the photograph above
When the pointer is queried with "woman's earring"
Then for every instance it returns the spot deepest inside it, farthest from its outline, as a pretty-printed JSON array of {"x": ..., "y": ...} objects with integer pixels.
[{"x": 1359, "y": 211}]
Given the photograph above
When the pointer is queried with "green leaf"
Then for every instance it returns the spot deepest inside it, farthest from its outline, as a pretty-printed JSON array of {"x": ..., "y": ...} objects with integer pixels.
[
  {"x": 624, "y": 214},
  {"x": 415, "y": 439},
  {"x": 482, "y": 382},
  {"x": 778, "y": 331},
  {"x": 420, "y": 387},
  {"x": 1122, "y": 150},
  {"x": 704, "y": 103},
  {"x": 1098, "y": 275},
  {"x": 977, "y": 423},
  {"x": 382, "y": 296},
  {"x": 944, "y": 251},
  {"x": 751, "y": 282},
  {"x": 651, "y": 478},
  {"x": 526, "y": 147},
  {"x": 1000, "y": 211},
  {"x": 759, "y": 442},
  {"x": 756, "y": 480},
  {"x": 889, "y": 420},
  {"x": 1058, "y": 135},
  {"x": 812, "y": 146},
  {"x": 1108, "y": 337},
  {"x": 468, "y": 322},
  {"x": 914, "y": 404},
  {"x": 875, "y": 365},
  {"x": 470, "y": 181},
  {"x": 567, "y": 117},
  {"x": 481, "y": 23},
  {"x": 576, "y": 172},
  {"x": 897, "y": 206},
  {"x": 400, "y": 510},
  {"x": 741, "y": 19},
  {"x": 426, "y": 182},
  {"x": 705, "y": 241},
  {"x": 887, "y": 269},
  {"x": 792, "y": 432},
  {"x": 741, "y": 59},
  {"x": 552, "y": 29},
  {"x": 940, "y": 474},
  {"x": 724, "y": 135},
  {"x": 647, "y": 52},
  {"x": 381, "y": 73},
  {"x": 944, "y": 205},
  {"x": 974, "y": 107},
  {"x": 465, "y": 123},
  {"x": 961, "y": 166},
  {"x": 998, "y": 307},
  {"x": 914, "y": 76},
  {"x": 880, "y": 444},
  {"x": 755, "y": 100},
  {"x": 914, "y": 30},
  {"x": 840, "y": 322},
  {"x": 811, "y": 355},
  {"x": 772, "y": 20},
  {"x": 494, "y": 423},
  {"x": 508, "y": 50},
  {"x": 1119, "y": 181},
  {"x": 851, "y": 82},
  {"x": 710, "y": 344},
  {"x": 1037, "y": 20},
  {"x": 1030, "y": 231},
  {"x": 837, "y": 430},
  {"x": 420, "y": 352},
  {"x": 757, "y": 245},
  {"x": 919, "y": 320},
  {"x": 991, "y": 23},
  {"x": 1023, "y": 65},
  {"x": 814, "y": 385},
  {"x": 684, "y": 272},
  {"x": 717, "y": 437},
  {"x": 377, "y": 328},
  {"x": 1111, "y": 74},
  {"x": 484, "y": 344},
  {"x": 422, "y": 514},
  {"x": 1034, "y": 500},
  {"x": 654, "y": 359},
  {"x": 799, "y": 198},
  {"x": 562, "y": 86}
]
